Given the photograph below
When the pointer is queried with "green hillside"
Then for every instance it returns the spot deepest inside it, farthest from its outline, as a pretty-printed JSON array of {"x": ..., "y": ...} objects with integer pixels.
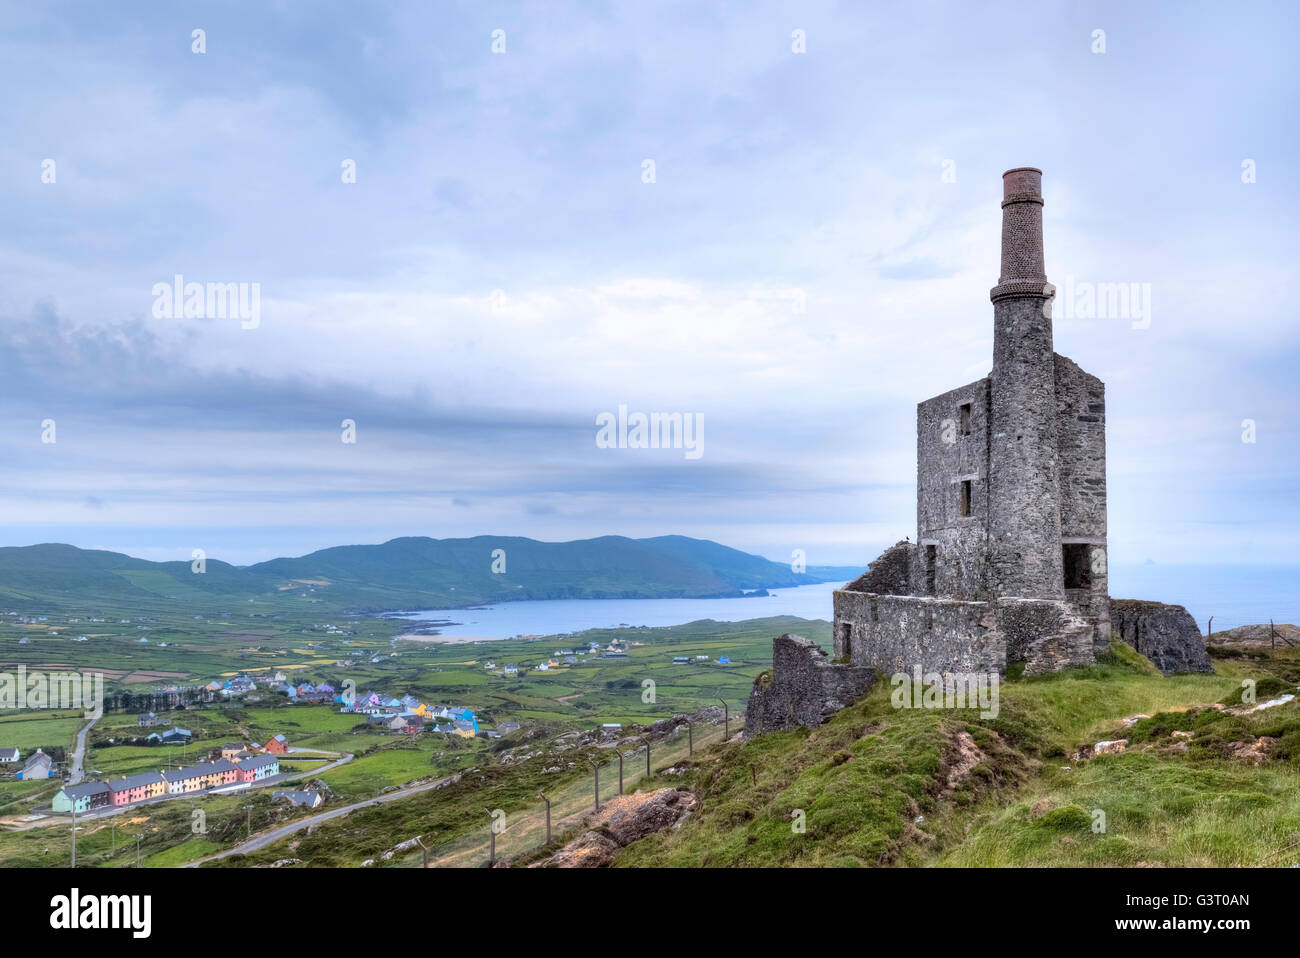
[
  {"x": 1195, "y": 786},
  {"x": 402, "y": 573}
]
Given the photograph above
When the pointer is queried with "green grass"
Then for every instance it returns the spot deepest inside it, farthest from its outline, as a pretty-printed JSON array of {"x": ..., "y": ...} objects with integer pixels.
[
  {"x": 31, "y": 730},
  {"x": 871, "y": 785},
  {"x": 1158, "y": 811}
]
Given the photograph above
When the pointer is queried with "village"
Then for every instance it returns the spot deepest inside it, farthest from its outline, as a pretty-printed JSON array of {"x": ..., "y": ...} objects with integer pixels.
[{"x": 236, "y": 765}]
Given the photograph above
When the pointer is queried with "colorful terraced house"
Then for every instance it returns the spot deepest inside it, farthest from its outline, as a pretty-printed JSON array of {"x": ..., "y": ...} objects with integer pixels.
[
  {"x": 136, "y": 788},
  {"x": 81, "y": 798},
  {"x": 173, "y": 781}
]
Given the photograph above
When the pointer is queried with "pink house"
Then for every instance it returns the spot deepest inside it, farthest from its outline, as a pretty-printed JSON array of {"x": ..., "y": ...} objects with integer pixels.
[{"x": 135, "y": 788}]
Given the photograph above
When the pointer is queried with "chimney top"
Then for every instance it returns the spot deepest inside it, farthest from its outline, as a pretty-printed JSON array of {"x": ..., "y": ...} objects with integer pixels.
[
  {"x": 1022, "y": 235},
  {"x": 1024, "y": 183}
]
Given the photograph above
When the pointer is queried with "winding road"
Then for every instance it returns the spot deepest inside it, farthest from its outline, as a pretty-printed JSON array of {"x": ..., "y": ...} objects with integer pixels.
[
  {"x": 263, "y": 839},
  {"x": 76, "y": 773}
]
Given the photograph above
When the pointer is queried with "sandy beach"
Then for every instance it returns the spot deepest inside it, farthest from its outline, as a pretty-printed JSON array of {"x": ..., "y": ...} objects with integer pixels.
[{"x": 449, "y": 639}]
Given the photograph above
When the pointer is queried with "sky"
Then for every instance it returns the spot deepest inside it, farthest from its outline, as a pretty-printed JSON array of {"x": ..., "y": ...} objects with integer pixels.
[{"x": 474, "y": 228}]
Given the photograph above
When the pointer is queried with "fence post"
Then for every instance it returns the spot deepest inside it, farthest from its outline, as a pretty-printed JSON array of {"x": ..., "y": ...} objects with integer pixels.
[
  {"x": 1209, "y": 629},
  {"x": 726, "y": 719},
  {"x": 548, "y": 816},
  {"x": 492, "y": 835},
  {"x": 690, "y": 739},
  {"x": 596, "y": 768},
  {"x": 647, "y": 755},
  {"x": 620, "y": 770}
]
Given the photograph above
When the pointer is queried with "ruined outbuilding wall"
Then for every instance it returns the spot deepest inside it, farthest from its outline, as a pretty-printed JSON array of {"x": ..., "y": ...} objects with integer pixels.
[
  {"x": 895, "y": 633},
  {"x": 1045, "y": 634},
  {"x": 803, "y": 688},
  {"x": 891, "y": 574}
]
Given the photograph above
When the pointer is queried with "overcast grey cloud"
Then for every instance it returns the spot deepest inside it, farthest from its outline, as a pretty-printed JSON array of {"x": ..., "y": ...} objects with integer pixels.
[{"x": 799, "y": 274}]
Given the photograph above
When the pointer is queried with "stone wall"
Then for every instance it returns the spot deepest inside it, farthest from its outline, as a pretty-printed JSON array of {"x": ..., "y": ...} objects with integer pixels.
[
  {"x": 1045, "y": 634},
  {"x": 803, "y": 687},
  {"x": 1024, "y": 501},
  {"x": 895, "y": 633},
  {"x": 890, "y": 574},
  {"x": 1165, "y": 634},
  {"x": 945, "y": 456},
  {"x": 1081, "y": 440}
]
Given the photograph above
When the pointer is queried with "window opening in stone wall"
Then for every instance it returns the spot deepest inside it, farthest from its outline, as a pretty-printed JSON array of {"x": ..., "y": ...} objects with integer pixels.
[
  {"x": 1076, "y": 562},
  {"x": 931, "y": 561},
  {"x": 965, "y": 419},
  {"x": 965, "y": 497},
  {"x": 844, "y": 643}
]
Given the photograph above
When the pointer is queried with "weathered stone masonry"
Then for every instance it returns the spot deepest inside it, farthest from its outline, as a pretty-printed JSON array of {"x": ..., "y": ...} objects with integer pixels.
[
  {"x": 803, "y": 688},
  {"x": 1010, "y": 559}
]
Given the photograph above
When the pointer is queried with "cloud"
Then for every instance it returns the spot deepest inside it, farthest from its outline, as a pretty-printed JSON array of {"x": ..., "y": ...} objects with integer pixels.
[{"x": 799, "y": 274}]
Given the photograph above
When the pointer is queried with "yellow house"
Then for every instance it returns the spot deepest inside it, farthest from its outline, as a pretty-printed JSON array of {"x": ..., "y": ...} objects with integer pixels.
[{"x": 420, "y": 709}]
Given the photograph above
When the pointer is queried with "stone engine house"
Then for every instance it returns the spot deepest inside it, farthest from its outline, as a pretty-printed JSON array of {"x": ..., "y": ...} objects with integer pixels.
[{"x": 1009, "y": 563}]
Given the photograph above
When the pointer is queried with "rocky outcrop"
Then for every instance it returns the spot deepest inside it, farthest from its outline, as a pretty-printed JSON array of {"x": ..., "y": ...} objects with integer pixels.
[
  {"x": 1259, "y": 636},
  {"x": 588, "y": 850},
  {"x": 803, "y": 687},
  {"x": 890, "y": 574},
  {"x": 1165, "y": 634},
  {"x": 620, "y": 822}
]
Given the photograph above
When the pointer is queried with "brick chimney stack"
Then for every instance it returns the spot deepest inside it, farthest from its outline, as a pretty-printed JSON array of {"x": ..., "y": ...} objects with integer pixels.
[
  {"x": 1024, "y": 498},
  {"x": 1022, "y": 234}
]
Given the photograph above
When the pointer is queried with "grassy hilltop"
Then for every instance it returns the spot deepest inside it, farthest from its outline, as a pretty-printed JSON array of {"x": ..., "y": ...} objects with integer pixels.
[{"x": 882, "y": 786}]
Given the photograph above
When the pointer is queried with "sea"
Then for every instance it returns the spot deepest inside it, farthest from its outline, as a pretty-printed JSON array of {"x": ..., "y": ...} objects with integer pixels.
[{"x": 1234, "y": 595}]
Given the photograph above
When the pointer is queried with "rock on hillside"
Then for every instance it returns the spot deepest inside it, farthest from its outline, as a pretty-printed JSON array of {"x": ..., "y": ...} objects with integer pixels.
[
  {"x": 1256, "y": 635},
  {"x": 620, "y": 822},
  {"x": 1165, "y": 634}
]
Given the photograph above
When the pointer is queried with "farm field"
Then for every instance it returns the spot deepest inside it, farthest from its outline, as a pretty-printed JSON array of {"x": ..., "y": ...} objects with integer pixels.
[{"x": 641, "y": 687}]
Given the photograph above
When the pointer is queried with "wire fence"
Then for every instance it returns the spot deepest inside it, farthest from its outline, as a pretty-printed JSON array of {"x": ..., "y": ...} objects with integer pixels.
[{"x": 510, "y": 833}]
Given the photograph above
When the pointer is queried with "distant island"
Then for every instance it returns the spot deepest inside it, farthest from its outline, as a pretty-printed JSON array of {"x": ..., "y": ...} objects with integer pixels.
[{"x": 408, "y": 573}]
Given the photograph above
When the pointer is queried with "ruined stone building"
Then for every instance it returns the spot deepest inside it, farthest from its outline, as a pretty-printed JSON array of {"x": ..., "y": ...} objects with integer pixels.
[{"x": 1009, "y": 562}]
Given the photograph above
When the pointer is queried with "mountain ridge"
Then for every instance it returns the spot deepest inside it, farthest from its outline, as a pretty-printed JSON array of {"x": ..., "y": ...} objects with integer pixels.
[{"x": 409, "y": 571}]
